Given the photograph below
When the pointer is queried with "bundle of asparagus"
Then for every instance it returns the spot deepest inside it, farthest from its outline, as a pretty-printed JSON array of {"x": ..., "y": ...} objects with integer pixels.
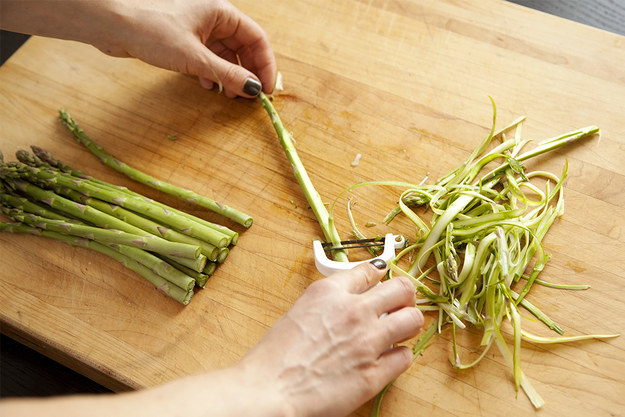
[{"x": 172, "y": 249}]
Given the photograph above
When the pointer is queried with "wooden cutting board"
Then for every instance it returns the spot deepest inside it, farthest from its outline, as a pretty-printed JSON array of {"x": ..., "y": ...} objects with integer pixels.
[{"x": 403, "y": 83}]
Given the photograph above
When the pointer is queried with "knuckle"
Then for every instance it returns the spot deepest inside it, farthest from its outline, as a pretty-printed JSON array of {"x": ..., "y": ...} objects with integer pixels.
[
  {"x": 229, "y": 77},
  {"x": 408, "y": 288},
  {"x": 352, "y": 317},
  {"x": 370, "y": 378},
  {"x": 416, "y": 319},
  {"x": 320, "y": 287},
  {"x": 406, "y": 357},
  {"x": 371, "y": 275}
]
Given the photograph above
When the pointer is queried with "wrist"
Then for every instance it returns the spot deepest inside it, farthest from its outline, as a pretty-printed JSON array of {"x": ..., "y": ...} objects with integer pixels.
[
  {"x": 231, "y": 392},
  {"x": 265, "y": 397},
  {"x": 93, "y": 22}
]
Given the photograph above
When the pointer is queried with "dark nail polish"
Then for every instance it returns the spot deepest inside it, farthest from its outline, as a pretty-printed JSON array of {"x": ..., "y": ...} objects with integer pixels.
[
  {"x": 252, "y": 87},
  {"x": 379, "y": 263}
]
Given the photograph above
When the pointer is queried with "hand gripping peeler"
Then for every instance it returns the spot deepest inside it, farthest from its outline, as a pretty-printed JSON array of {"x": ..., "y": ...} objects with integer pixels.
[{"x": 327, "y": 266}]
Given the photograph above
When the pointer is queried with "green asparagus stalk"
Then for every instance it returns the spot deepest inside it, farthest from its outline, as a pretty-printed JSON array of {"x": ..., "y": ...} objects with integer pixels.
[
  {"x": 165, "y": 269},
  {"x": 124, "y": 245},
  {"x": 221, "y": 232},
  {"x": 187, "y": 195},
  {"x": 133, "y": 222},
  {"x": 223, "y": 254},
  {"x": 131, "y": 202},
  {"x": 166, "y": 256},
  {"x": 148, "y": 225},
  {"x": 128, "y": 218},
  {"x": 147, "y": 242},
  {"x": 174, "y": 291},
  {"x": 312, "y": 196},
  {"x": 28, "y": 206},
  {"x": 162, "y": 268},
  {"x": 91, "y": 215},
  {"x": 46, "y": 159},
  {"x": 201, "y": 278},
  {"x": 49, "y": 160}
]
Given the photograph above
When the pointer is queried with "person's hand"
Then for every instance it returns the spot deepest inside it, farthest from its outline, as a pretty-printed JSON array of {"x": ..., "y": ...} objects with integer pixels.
[
  {"x": 333, "y": 351},
  {"x": 205, "y": 38},
  {"x": 329, "y": 354},
  {"x": 210, "y": 39}
]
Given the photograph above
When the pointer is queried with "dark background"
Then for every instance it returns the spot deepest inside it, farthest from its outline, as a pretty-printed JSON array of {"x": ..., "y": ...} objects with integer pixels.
[{"x": 24, "y": 372}]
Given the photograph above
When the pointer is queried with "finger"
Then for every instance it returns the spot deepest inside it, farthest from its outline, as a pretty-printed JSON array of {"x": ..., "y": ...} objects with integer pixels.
[
  {"x": 206, "y": 83},
  {"x": 239, "y": 41},
  {"x": 362, "y": 277},
  {"x": 259, "y": 59},
  {"x": 232, "y": 78},
  {"x": 249, "y": 59},
  {"x": 399, "y": 326},
  {"x": 251, "y": 44},
  {"x": 393, "y": 362},
  {"x": 391, "y": 295}
]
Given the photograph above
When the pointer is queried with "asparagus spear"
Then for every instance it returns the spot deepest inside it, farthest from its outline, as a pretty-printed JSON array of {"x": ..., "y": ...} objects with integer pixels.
[
  {"x": 137, "y": 223},
  {"x": 188, "y": 195},
  {"x": 312, "y": 196},
  {"x": 44, "y": 158},
  {"x": 148, "y": 242},
  {"x": 54, "y": 177},
  {"x": 201, "y": 278},
  {"x": 210, "y": 251},
  {"x": 230, "y": 235},
  {"x": 131, "y": 202},
  {"x": 165, "y": 269},
  {"x": 107, "y": 238},
  {"x": 174, "y": 291},
  {"x": 28, "y": 206},
  {"x": 89, "y": 214},
  {"x": 25, "y": 205},
  {"x": 150, "y": 226},
  {"x": 49, "y": 160}
]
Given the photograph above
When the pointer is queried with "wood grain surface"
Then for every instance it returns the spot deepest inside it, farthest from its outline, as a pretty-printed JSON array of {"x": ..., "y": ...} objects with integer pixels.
[{"x": 405, "y": 84}]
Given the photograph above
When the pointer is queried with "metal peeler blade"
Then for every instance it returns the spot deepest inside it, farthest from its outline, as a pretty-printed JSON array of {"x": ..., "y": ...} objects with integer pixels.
[{"x": 327, "y": 267}]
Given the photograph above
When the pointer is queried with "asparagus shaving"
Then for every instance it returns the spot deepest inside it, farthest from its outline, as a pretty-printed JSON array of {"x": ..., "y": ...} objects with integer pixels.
[
  {"x": 356, "y": 231},
  {"x": 564, "y": 339},
  {"x": 486, "y": 231}
]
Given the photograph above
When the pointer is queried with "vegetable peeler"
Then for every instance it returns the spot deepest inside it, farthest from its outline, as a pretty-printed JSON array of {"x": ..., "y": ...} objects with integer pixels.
[{"x": 327, "y": 266}]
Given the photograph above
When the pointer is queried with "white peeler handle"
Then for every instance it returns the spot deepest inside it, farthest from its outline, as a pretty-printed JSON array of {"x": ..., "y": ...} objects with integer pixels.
[{"x": 327, "y": 266}]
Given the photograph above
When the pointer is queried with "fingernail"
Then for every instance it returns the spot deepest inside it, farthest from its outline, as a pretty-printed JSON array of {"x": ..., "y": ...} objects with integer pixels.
[
  {"x": 206, "y": 83},
  {"x": 379, "y": 263},
  {"x": 252, "y": 87}
]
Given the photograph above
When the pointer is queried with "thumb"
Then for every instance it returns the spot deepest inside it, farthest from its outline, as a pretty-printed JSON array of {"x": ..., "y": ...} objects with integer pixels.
[
  {"x": 362, "y": 277},
  {"x": 233, "y": 79}
]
